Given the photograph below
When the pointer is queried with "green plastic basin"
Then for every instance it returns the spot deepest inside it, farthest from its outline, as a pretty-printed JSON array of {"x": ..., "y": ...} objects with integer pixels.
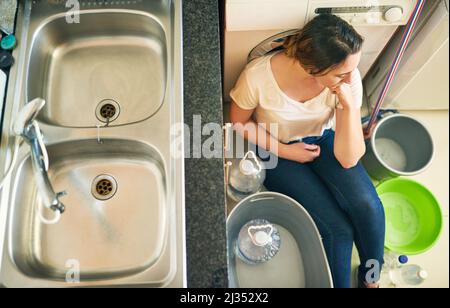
[{"x": 413, "y": 216}]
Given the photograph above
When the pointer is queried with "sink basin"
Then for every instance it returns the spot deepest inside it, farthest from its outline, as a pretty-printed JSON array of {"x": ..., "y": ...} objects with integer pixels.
[
  {"x": 115, "y": 223},
  {"x": 113, "y": 90},
  {"x": 109, "y": 57}
]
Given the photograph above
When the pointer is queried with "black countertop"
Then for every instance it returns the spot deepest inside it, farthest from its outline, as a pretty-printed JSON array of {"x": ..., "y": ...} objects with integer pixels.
[{"x": 205, "y": 195}]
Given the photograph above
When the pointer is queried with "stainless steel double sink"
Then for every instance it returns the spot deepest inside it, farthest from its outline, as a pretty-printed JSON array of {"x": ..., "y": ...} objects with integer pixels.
[{"x": 113, "y": 90}]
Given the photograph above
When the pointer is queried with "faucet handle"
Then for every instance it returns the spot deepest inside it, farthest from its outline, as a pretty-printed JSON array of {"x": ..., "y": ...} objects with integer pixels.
[{"x": 27, "y": 115}]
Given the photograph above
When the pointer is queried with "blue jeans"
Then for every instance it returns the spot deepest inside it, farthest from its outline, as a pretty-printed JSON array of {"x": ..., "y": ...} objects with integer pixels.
[{"x": 343, "y": 203}]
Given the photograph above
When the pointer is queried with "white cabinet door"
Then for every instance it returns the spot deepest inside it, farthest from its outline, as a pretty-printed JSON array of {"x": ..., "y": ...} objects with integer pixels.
[{"x": 257, "y": 15}]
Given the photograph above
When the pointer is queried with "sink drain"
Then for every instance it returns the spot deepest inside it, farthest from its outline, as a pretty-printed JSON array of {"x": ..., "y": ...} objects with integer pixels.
[
  {"x": 104, "y": 187},
  {"x": 107, "y": 111}
]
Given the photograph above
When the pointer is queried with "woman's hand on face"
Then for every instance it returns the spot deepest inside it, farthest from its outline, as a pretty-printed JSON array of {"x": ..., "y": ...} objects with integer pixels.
[
  {"x": 300, "y": 152},
  {"x": 344, "y": 95}
]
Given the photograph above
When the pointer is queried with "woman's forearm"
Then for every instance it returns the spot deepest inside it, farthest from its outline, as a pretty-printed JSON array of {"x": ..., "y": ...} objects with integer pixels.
[
  {"x": 258, "y": 135},
  {"x": 349, "y": 144}
]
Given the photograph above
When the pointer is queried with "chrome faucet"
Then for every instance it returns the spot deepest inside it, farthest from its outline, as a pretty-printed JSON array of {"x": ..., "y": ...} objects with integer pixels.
[{"x": 27, "y": 127}]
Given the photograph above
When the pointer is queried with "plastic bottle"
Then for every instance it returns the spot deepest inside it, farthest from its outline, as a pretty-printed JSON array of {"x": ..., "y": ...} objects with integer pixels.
[
  {"x": 246, "y": 177},
  {"x": 408, "y": 275},
  {"x": 393, "y": 260},
  {"x": 258, "y": 242}
]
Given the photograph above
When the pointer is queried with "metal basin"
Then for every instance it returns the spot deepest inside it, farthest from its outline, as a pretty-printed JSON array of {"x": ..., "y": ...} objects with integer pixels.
[
  {"x": 109, "y": 56},
  {"x": 301, "y": 261},
  {"x": 109, "y": 238}
]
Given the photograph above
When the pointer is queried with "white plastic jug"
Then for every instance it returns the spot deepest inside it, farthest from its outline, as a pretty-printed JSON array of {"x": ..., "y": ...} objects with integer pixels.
[
  {"x": 246, "y": 177},
  {"x": 258, "y": 241}
]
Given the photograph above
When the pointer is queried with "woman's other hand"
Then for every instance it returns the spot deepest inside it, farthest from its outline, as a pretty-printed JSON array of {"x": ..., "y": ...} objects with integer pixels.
[{"x": 300, "y": 152}]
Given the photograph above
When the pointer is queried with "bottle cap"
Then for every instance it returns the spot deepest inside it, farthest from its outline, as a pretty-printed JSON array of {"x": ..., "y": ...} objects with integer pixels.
[
  {"x": 247, "y": 167},
  {"x": 423, "y": 274},
  {"x": 403, "y": 259},
  {"x": 262, "y": 238},
  {"x": 6, "y": 59},
  {"x": 8, "y": 42}
]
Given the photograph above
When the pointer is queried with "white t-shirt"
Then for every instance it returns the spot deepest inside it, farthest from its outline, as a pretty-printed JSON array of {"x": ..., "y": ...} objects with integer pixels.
[{"x": 257, "y": 89}]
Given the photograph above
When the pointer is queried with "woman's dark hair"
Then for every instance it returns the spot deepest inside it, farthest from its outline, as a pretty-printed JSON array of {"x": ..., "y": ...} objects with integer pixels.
[{"x": 324, "y": 42}]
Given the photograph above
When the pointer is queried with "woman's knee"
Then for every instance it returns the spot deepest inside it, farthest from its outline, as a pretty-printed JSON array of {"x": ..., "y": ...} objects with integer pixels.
[
  {"x": 368, "y": 203},
  {"x": 335, "y": 229},
  {"x": 362, "y": 196}
]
